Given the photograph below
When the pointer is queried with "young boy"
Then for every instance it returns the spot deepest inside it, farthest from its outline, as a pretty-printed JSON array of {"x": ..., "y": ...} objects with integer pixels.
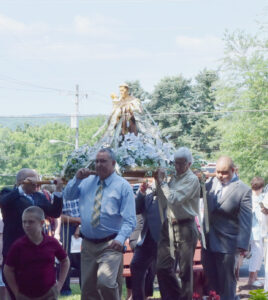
[{"x": 29, "y": 268}]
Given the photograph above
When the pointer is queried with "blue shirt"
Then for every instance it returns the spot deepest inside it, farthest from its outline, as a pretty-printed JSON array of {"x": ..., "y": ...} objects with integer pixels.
[
  {"x": 71, "y": 208},
  {"x": 118, "y": 212}
]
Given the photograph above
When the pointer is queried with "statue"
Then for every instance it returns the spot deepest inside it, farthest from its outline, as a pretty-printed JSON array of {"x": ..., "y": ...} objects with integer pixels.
[
  {"x": 131, "y": 132},
  {"x": 127, "y": 117},
  {"x": 125, "y": 107}
]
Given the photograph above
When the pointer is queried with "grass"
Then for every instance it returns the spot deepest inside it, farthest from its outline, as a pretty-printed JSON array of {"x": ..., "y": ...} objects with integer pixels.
[{"x": 76, "y": 294}]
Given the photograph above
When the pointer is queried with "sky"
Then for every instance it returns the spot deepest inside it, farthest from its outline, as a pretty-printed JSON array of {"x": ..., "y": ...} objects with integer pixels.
[{"x": 50, "y": 46}]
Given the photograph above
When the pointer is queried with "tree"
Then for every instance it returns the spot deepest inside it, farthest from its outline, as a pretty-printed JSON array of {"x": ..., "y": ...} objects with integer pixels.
[
  {"x": 181, "y": 102},
  {"x": 204, "y": 135},
  {"x": 173, "y": 95},
  {"x": 29, "y": 147},
  {"x": 137, "y": 91},
  {"x": 243, "y": 88}
]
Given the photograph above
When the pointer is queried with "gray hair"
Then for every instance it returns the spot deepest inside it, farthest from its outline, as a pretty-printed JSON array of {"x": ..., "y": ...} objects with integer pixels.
[
  {"x": 36, "y": 210},
  {"x": 184, "y": 152},
  {"x": 110, "y": 153}
]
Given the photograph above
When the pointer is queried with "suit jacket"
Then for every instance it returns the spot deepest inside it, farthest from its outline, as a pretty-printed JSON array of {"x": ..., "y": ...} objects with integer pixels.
[
  {"x": 230, "y": 218},
  {"x": 147, "y": 205},
  {"x": 13, "y": 204},
  {"x": 133, "y": 239}
]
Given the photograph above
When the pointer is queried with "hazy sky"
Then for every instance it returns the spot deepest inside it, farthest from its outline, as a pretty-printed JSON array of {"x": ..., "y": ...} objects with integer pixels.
[{"x": 49, "y": 46}]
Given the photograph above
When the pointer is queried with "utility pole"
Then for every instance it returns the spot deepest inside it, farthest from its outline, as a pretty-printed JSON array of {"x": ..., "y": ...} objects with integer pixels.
[{"x": 76, "y": 117}]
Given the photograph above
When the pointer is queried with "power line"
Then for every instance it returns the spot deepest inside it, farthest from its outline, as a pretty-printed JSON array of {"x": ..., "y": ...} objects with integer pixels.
[
  {"x": 216, "y": 112},
  {"x": 209, "y": 112},
  {"x": 26, "y": 83}
]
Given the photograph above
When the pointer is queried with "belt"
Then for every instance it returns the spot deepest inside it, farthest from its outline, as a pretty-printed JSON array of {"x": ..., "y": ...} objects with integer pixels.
[
  {"x": 98, "y": 241},
  {"x": 181, "y": 222}
]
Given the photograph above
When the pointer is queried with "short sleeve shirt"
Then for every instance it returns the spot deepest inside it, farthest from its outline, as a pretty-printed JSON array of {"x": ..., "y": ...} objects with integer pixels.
[{"x": 35, "y": 264}]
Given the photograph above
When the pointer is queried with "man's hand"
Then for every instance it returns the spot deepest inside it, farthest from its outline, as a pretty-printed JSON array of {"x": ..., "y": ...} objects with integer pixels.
[
  {"x": 242, "y": 252},
  {"x": 116, "y": 245},
  {"x": 143, "y": 187},
  {"x": 59, "y": 184},
  {"x": 84, "y": 173},
  {"x": 160, "y": 176},
  {"x": 29, "y": 184},
  {"x": 264, "y": 210},
  {"x": 30, "y": 180}
]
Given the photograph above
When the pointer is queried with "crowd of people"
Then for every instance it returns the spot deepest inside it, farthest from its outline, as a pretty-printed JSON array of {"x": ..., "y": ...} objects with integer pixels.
[{"x": 101, "y": 208}]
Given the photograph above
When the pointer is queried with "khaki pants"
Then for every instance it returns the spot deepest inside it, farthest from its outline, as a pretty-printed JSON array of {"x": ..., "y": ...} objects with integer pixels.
[
  {"x": 99, "y": 271},
  {"x": 186, "y": 236},
  {"x": 52, "y": 294}
]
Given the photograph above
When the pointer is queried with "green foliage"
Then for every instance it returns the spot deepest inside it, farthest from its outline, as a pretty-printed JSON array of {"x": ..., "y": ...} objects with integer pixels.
[
  {"x": 244, "y": 86},
  {"x": 137, "y": 91},
  {"x": 204, "y": 134},
  {"x": 258, "y": 295},
  {"x": 173, "y": 94},
  {"x": 29, "y": 147},
  {"x": 189, "y": 127}
]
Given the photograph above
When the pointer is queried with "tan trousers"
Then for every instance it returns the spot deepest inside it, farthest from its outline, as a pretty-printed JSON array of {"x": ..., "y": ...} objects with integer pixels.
[
  {"x": 99, "y": 271},
  {"x": 186, "y": 236},
  {"x": 52, "y": 294}
]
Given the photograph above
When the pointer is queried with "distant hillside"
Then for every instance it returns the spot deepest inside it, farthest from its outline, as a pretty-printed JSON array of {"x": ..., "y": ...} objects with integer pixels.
[{"x": 36, "y": 120}]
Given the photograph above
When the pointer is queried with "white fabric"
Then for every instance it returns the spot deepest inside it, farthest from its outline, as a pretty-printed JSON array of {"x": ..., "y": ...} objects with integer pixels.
[
  {"x": 76, "y": 244},
  {"x": 255, "y": 260},
  {"x": 265, "y": 264}
]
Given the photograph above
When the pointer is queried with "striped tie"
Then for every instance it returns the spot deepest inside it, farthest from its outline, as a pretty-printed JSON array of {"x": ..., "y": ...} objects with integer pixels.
[{"x": 95, "y": 221}]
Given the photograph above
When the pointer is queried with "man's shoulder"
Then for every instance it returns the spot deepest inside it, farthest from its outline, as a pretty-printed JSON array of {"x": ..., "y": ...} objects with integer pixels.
[
  {"x": 191, "y": 177},
  {"x": 120, "y": 179},
  {"x": 242, "y": 186},
  {"x": 5, "y": 191},
  {"x": 210, "y": 182}
]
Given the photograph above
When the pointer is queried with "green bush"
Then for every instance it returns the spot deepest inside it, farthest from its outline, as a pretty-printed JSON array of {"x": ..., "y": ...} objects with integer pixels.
[{"x": 258, "y": 295}]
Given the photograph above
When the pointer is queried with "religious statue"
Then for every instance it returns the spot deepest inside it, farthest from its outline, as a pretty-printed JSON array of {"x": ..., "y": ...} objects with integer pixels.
[
  {"x": 131, "y": 132},
  {"x": 125, "y": 108}
]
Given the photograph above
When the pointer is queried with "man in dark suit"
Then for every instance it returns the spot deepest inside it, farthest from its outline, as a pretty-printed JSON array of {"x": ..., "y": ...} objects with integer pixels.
[
  {"x": 229, "y": 228},
  {"x": 146, "y": 250},
  {"x": 14, "y": 202}
]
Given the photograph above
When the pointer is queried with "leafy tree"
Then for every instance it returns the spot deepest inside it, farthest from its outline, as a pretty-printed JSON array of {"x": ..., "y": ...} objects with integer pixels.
[
  {"x": 29, "y": 147},
  {"x": 204, "y": 135},
  {"x": 172, "y": 95},
  {"x": 244, "y": 87},
  {"x": 137, "y": 91},
  {"x": 182, "y": 101}
]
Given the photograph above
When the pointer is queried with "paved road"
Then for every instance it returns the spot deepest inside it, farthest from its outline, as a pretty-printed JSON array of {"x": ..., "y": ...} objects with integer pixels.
[{"x": 243, "y": 289}]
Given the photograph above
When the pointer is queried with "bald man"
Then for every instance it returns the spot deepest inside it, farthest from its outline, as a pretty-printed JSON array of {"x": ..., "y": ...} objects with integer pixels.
[
  {"x": 230, "y": 220},
  {"x": 14, "y": 202}
]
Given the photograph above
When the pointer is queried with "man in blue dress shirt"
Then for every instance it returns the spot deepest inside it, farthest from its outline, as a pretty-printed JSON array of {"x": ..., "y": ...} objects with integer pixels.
[{"x": 103, "y": 240}]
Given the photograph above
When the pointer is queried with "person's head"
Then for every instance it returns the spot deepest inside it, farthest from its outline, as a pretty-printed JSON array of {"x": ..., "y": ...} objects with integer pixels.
[
  {"x": 124, "y": 90},
  {"x": 33, "y": 219},
  {"x": 225, "y": 169},
  {"x": 23, "y": 174},
  {"x": 257, "y": 184},
  {"x": 105, "y": 163},
  {"x": 182, "y": 159}
]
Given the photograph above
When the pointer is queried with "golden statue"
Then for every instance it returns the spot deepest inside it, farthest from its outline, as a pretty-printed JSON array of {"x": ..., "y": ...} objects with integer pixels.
[
  {"x": 124, "y": 110},
  {"x": 127, "y": 116}
]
